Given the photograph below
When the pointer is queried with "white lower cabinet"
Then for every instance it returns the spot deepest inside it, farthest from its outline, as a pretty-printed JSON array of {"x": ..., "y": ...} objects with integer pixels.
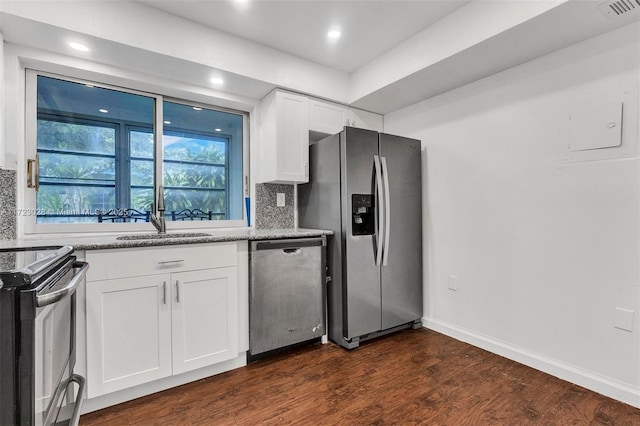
[
  {"x": 128, "y": 333},
  {"x": 148, "y": 327},
  {"x": 204, "y": 308}
]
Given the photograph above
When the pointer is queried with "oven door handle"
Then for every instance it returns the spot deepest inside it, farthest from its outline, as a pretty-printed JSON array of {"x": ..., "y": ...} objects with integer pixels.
[
  {"x": 49, "y": 298},
  {"x": 81, "y": 382},
  {"x": 60, "y": 392}
]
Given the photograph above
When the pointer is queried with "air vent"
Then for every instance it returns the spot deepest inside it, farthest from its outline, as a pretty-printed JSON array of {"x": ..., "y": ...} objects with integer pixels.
[{"x": 614, "y": 8}]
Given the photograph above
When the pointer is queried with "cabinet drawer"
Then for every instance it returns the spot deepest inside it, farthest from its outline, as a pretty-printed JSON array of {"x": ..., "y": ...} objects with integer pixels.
[{"x": 131, "y": 262}]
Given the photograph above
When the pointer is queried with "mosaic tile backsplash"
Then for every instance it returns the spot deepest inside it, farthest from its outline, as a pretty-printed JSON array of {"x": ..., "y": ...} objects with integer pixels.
[
  {"x": 268, "y": 215},
  {"x": 7, "y": 204}
]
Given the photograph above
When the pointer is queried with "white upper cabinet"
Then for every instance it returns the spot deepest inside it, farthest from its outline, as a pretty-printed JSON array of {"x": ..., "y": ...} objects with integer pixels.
[
  {"x": 289, "y": 122},
  {"x": 365, "y": 120},
  {"x": 284, "y": 145},
  {"x": 326, "y": 118}
]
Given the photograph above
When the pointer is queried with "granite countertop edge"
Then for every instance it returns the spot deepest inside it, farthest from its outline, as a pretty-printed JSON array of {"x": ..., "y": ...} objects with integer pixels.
[{"x": 101, "y": 242}]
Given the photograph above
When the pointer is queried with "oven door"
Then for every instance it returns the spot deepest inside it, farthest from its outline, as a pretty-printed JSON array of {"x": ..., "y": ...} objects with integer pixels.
[{"x": 54, "y": 353}]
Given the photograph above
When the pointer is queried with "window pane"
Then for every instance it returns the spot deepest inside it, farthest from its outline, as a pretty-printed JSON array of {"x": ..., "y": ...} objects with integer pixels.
[
  {"x": 202, "y": 151},
  {"x": 74, "y": 168},
  {"x": 73, "y": 137},
  {"x": 72, "y": 203},
  {"x": 142, "y": 199},
  {"x": 142, "y": 173},
  {"x": 141, "y": 143},
  {"x": 85, "y": 154},
  {"x": 194, "y": 175},
  {"x": 179, "y": 200},
  {"x": 193, "y": 148}
]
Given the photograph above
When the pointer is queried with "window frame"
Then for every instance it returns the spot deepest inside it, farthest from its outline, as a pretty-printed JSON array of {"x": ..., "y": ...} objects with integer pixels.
[{"x": 31, "y": 118}]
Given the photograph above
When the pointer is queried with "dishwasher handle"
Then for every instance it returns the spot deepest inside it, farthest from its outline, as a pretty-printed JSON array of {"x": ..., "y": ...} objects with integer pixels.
[{"x": 289, "y": 244}]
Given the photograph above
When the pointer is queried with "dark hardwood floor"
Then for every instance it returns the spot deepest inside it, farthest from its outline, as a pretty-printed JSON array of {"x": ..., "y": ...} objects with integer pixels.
[{"x": 411, "y": 377}]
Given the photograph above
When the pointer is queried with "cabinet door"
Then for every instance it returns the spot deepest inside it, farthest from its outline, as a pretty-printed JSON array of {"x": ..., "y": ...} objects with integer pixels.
[
  {"x": 326, "y": 118},
  {"x": 205, "y": 315},
  {"x": 128, "y": 332},
  {"x": 365, "y": 120},
  {"x": 292, "y": 138}
]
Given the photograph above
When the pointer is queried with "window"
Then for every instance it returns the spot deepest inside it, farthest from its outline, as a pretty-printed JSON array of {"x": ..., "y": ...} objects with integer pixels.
[
  {"x": 198, "y": 161},
  {"x": 98, "y": 157}
]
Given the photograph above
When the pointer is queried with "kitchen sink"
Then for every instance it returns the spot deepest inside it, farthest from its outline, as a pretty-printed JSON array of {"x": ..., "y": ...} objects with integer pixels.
[{"x": 162, "y": 236}]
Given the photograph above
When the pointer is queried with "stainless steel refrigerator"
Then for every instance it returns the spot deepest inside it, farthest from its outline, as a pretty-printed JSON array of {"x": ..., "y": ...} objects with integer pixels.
[{"x": 366, "y": 187}]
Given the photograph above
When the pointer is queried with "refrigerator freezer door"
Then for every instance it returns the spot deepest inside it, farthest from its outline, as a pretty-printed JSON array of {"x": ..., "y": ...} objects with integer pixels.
[
  {"x": 361, "y": 286},
  {"x": 402, "y": 276},
  {"x": 319, "y": 207}
]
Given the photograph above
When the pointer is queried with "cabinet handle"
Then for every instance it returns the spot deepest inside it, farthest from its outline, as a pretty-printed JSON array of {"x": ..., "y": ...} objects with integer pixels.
[
  {"x": 33, "y": 177},
  {"x": 306, "y": 170},
  {"x": 164, "y": 262},
  {"x": 177, "y": 291},
  {"x": 164, "y": 292}
]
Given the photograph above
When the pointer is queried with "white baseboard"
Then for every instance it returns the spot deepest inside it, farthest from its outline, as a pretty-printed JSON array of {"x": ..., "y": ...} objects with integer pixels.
[{"x": 581, "y": 377}]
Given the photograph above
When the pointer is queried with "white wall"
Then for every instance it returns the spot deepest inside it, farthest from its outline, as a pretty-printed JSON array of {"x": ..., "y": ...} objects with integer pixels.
[{"x": 544, "y": 249}]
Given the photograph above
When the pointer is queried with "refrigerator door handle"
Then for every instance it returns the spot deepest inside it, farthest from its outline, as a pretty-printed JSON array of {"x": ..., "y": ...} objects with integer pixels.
[
  {"x": 379, "y": 205},
  {"x": 387, "y": 212}
]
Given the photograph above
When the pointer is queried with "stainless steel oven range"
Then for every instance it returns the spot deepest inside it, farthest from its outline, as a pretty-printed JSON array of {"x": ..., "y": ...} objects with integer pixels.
[{"x": 37, "y": 335}]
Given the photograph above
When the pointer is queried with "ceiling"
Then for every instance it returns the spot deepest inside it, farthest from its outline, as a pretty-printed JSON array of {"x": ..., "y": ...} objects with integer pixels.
[
  {"x": 387, "y": 58},
  {"x": 369, "y": 28}
]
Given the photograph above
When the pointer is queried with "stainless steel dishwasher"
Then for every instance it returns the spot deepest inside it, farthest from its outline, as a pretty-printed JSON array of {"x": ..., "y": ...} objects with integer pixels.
[{"x": 286, "y": 293}]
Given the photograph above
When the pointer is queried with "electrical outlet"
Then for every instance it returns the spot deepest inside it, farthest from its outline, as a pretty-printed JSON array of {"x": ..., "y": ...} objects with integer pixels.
[
  {"x": 280, "y": 200},
  {"x": 452, "y": 282},
  {"x": 624, "y": 319}
]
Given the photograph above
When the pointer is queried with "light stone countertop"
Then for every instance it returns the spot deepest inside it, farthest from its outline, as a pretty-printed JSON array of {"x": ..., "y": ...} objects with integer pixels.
[{"x": 110, "y": 241}]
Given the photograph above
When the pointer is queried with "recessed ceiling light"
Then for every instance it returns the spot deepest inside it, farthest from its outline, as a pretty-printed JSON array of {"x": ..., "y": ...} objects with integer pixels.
[
  {"x": 167, "y": 122},
  {"x": 334, "y": 34},
  {"x": 218, "y": 130},
  {"x": 197, "y": 108},
  {"x": 104, "y": 111},
  {"x": 241, "y": 5},
  {"x": 79, "y": 46},
  {"x": 216, "y": 80}
]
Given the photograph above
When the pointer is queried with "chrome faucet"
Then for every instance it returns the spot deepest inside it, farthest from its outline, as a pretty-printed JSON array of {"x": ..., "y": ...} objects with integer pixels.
[{"x": 158, "y": 221}]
